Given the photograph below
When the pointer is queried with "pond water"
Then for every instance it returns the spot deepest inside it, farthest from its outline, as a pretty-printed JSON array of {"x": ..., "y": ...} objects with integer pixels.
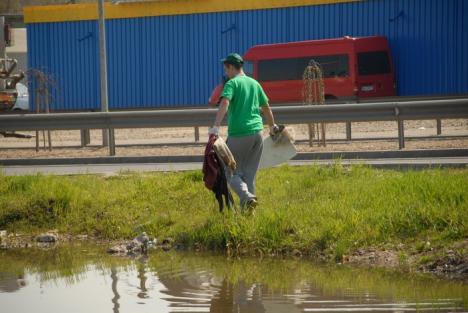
[{"x": 86, "y": 279}]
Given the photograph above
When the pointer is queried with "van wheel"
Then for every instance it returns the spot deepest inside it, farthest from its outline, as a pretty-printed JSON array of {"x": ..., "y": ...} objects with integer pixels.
[{"x": 330, "y": 98}]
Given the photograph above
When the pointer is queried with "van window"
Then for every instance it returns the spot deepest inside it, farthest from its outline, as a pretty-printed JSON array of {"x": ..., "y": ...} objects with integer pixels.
[
  {"x": 373, "y": 63},
  {"x": 293, "y": 69},
  {"x": 248, "y": 68}
]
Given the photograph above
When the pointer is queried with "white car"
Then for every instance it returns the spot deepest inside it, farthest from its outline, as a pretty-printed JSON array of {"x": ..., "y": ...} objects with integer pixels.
[{"x": 22, "y": 101}]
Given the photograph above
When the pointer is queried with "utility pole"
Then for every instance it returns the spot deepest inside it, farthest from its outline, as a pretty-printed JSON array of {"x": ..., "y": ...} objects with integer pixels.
[
  {"x": 2, "y": 48},
  {"x": 107, "y": 134},
  {"x": 2, "y": 38}
]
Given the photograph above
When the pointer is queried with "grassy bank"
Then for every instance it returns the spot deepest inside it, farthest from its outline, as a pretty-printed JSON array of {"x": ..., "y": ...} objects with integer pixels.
[{"x": 311, "y": 209}]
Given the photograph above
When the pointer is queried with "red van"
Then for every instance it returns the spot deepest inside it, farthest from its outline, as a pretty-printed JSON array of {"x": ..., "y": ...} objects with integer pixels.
[{"x": 352, "y": 68}]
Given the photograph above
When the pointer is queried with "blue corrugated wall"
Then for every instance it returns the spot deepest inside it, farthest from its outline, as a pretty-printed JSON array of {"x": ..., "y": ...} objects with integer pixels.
[{"x": 174, "y": 60}]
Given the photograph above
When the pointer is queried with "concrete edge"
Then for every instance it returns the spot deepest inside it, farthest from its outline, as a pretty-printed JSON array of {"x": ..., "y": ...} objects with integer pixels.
[
  {"x": 95, "y": 169},
  {"x": 302, "y": 156}
]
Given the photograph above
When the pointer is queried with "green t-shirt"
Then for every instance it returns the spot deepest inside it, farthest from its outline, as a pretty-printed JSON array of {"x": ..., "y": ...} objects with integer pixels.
[{"x": 246, "y": 96}]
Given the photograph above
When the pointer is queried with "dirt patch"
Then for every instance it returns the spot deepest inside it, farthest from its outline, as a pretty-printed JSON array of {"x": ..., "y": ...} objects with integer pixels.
[
  {"x": 199, "y": 149},
  {"x": 445, "y": 262},
  {"x": 373, "y": 257}
]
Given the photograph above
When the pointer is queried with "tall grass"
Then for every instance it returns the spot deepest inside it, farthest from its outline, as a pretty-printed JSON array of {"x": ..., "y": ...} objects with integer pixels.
[{"x": 313, "y": 209}]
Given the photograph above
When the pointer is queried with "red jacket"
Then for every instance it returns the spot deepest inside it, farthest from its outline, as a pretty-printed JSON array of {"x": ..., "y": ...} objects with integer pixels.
[
  {"x": 211, "y": 164},
  {"x": 214, "y": 176}
]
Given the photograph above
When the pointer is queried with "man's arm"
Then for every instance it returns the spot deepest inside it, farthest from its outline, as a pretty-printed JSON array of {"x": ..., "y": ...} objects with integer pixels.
[
  {"x": 266, "y": 111},
  {"x": 223, "y": 106}
]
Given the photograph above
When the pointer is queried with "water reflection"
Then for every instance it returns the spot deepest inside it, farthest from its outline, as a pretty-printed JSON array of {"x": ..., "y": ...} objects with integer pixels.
[
  {"x": 142, "y": 277},
  {"x": 115, "y": 299},
  {"x": 180, "y": 282},
  {"x": 11, "y": 283}
]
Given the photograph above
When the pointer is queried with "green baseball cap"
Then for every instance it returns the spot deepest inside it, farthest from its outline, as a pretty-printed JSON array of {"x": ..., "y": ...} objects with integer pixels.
[{"x": 233, "y": 58}]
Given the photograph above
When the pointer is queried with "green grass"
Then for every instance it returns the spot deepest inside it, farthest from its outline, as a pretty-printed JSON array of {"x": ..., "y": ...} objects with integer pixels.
[{"x": 313, "y": 209}]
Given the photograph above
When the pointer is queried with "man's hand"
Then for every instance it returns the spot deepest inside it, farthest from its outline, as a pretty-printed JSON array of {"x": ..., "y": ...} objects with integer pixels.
[
  {"x": 274, "y": 130},
  {"x": 213, "y": 131}
]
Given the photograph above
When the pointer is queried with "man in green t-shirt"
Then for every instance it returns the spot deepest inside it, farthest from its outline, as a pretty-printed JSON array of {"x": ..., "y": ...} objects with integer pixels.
[{"x": 243, "y": 99}]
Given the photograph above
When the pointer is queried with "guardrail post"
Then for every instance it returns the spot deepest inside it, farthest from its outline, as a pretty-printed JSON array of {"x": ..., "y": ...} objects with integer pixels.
[
  {"x": 46, "y": 102},
  {"x": 311, "y": 134},
  {"x": 401, "y": 127},
  {"x": 111, "y": 142},
  {"x": 105, "y": 137},
  {"x": 82, "y": 137},
  {"x": 197, "y": 134},
  {"x": 36, "y": 103},
  {"x": 401, "y": 134},
  {"x": 348, "y": 131},
  {"x": 439, "y": 127},
  {"x": 85, "y": 137}
]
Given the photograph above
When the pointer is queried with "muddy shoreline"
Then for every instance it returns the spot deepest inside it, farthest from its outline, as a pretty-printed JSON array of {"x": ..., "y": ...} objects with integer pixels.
[{"x": 449, "y": 263}]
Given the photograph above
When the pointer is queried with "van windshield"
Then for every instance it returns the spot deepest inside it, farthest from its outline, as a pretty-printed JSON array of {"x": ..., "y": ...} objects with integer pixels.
[
  {"x": 293, "y": 68},
  {"x": 373, "y": 63}
]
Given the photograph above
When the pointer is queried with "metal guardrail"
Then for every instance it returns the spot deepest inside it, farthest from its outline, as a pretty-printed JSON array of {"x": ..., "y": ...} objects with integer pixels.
[{"x": 291, "y": 114}]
